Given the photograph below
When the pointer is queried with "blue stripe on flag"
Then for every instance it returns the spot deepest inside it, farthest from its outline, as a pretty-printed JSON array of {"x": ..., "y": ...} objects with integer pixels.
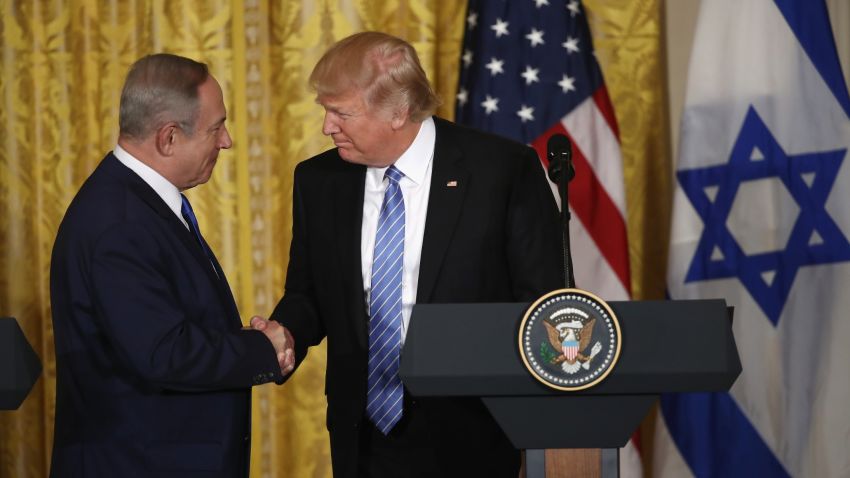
[
  {"x": 809, "y": 21},
  {"x": 716, "y": 438}
]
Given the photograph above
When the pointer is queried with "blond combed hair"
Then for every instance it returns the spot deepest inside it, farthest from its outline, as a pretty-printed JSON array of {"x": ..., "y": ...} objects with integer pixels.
[{"x": 384, "y": 68}]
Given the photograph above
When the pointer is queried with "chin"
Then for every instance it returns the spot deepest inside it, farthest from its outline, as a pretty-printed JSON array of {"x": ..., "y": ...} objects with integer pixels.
[
  {"x": 201, "y": 180},
  {"x": 348, "y": 157},
  {"x": 208, "y": 173}
]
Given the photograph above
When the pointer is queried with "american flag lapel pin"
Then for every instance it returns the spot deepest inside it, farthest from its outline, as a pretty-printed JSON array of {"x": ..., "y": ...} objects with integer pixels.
[{"x": 451, "y": 184}]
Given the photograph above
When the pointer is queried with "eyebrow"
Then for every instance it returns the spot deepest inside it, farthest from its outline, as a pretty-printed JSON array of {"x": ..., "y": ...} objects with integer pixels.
[
  {"x": 217, "y": 123},
  {"x": 343, "y": 110},
  {"x": 329, "y": 107}
]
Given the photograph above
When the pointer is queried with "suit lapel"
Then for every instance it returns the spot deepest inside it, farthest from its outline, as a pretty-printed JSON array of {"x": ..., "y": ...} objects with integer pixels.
[
  {"x": 347, "y": 225},
  {"x": 225, "y": 293},
  {"x": 449, "y": 183},
  {"x": 186, "y": 237},
  {"x": 150, "y": 197}
]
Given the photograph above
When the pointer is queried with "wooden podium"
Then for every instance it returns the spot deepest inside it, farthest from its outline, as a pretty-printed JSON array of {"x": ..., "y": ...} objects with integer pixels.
[{"x": 667, "y": 346}]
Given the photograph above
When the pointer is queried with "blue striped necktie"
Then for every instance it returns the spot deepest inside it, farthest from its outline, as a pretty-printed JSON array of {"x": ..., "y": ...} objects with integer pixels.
[{"x": 385, "y": 391}]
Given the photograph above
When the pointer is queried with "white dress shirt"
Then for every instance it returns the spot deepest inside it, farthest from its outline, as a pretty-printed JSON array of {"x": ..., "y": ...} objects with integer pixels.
[
  {"x": 167, "y": 191},
  {"x": 416, "y": 164}
]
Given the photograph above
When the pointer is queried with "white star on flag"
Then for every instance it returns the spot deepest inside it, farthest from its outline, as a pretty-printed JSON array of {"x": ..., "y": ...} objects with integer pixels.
[
  {"x": 462, "y": 96},
  {"x": 472, "y": 20},
  {"x": 500, "y": 27},
  {"x": 573, "y": 8},
  {"x": 567, "y": 84},
  {"x": 530, "y": 75},
  {"x": 571, "y": 45},
  {"x": 526, "y": 113},
  {"x": 467, "y": 57},
  {"x": 490, "y": 104},
  {"x": 495, "y": 66},
  {"x": 535, "y": 37},
  {"x": 540, "y": 3}
]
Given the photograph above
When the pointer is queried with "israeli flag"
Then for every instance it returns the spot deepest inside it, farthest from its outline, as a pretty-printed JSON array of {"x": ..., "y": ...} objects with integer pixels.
[{"x": 761, "y": 217}]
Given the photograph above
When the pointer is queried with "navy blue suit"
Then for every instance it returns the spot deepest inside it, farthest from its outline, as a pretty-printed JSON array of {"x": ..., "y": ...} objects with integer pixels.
[{"x": 153, "y": 368}]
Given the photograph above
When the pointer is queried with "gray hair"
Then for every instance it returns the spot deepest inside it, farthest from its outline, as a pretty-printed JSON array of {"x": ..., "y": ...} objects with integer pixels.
[{"x": 159, "y": 89}]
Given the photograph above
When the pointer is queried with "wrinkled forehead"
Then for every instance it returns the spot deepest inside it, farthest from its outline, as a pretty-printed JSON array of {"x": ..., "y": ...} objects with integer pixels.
[
  {"x": 345, "y": 97},
  {"x": 350, "y": 101}
]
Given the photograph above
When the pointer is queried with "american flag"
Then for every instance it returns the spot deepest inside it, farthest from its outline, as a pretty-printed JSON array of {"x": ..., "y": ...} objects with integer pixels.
[{"x": 528, "y": 71}]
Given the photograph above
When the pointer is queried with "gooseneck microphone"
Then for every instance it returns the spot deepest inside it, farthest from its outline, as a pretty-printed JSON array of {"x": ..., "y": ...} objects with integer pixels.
[{"x": 559, "y": 152}]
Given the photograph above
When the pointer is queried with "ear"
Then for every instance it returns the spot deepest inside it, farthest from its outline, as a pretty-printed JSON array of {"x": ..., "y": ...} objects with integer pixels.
[
  {"x": 166, "y": 138},
  {"x": 400, "y": 117}
]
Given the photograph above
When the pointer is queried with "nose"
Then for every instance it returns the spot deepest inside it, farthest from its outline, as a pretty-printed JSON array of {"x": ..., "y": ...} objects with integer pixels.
[
  {"x": 225, "y": 142},
  {"x": 329, "y": 126}
]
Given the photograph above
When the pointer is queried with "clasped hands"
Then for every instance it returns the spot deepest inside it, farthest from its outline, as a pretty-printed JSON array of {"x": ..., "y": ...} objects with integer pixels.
[{"x": 280, "y": 338}]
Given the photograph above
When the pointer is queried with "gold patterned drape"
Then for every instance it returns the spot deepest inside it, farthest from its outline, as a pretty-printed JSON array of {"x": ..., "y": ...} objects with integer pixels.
[
  {"x": 61, "y": 69},
  {"x": 628, "y": 36}
]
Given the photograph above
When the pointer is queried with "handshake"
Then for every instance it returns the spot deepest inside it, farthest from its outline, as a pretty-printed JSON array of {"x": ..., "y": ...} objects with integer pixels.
[{"x": 281, "y": 339}]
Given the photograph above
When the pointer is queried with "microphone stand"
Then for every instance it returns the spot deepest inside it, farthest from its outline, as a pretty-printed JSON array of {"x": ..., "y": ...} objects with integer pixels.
[
  {"x": 561, "y": 172},
  {"x": 564, "y": 188},
  {"x": 609, "y": 458},
  {"x": 559, "y": 150}
]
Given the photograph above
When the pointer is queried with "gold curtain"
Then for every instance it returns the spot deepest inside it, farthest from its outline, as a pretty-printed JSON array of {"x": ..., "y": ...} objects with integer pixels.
[
  {"x": 62, "y": 66},
  {"x": 628, "y": 36}
]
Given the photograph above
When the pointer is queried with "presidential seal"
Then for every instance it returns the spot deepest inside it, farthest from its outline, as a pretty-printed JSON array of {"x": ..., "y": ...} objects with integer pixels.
[{"x": 569, "y": 339}]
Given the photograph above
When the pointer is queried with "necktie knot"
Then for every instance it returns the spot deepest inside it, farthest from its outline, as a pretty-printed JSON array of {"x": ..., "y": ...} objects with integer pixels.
[
  {"x": 393, "y": 174},
  {"x": 189, "y": 216}
]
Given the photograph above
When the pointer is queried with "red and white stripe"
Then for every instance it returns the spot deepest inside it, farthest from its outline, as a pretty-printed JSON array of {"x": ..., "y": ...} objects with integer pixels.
[{"x": 597, "y": 197}]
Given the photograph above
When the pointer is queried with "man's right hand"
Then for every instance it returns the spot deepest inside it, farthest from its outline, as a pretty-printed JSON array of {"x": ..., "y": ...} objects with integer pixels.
[{"x": 280, "y": 338}]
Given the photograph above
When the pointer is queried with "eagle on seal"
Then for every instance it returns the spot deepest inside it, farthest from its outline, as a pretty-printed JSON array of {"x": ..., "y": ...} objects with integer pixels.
[{"x": 571, "y": 338}]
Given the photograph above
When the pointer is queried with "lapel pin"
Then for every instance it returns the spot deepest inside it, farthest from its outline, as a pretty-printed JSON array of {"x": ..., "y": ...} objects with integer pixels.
[{"x": 451, "y": 184}]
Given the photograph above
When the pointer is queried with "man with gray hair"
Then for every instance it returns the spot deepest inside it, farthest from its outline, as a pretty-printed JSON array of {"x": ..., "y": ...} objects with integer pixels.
[
  {"x": 407, "y": 208},
  {"x": 153, "y": 367}
]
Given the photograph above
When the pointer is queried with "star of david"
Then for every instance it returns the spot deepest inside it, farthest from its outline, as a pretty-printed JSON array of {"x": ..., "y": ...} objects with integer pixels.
[{"x": 814, "y": 239}]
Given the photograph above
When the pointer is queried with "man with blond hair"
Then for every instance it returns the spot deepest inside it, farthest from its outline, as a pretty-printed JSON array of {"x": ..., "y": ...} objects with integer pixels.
[
  {"x": 407, "y": 208},
  {"x": 153, "y": 367}
]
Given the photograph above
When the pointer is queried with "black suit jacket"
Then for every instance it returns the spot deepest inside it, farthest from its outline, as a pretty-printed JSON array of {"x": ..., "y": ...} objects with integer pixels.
[
  {"x": 153, "y": 369},
  {"x": 491, "y": 235}
]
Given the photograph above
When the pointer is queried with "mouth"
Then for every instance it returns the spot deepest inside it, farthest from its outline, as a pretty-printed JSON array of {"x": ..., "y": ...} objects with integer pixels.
[{"x": 340, "y": 141}]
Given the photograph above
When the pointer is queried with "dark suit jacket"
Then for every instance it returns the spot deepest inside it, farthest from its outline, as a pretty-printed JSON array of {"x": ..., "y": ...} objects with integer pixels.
[
  {"x": 494, "y": 237},
  {"x": 153, "y": 371}
]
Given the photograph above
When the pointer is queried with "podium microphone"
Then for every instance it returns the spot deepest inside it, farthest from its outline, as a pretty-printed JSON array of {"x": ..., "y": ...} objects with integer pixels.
[{"x": 559, "y": 151}]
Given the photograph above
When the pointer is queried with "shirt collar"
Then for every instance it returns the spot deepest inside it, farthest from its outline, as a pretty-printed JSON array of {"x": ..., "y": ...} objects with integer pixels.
[
  {"x": 163, "y": 188},
  {"x": 411, "y": 162}
]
